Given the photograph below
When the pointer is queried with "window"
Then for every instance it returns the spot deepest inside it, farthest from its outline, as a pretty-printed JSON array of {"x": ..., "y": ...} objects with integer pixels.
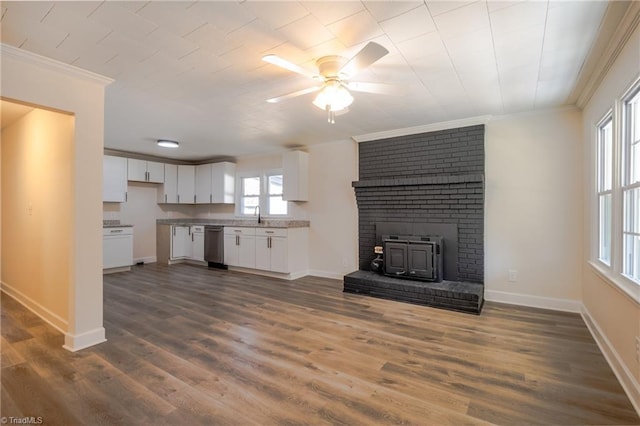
[
  {"x": 604, "y": 187},
  {"x": 631, "y": 187},
  {"x": 617, "y": 191},
  {"x": 262, "y": 193}
]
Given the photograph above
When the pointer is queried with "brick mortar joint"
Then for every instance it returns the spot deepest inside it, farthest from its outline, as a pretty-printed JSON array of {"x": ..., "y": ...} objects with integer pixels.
[{"x": 423, "y": 180}]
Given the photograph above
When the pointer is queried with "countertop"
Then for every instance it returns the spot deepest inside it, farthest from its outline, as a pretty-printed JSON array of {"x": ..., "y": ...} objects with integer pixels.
[
  {"x": 253, "y": 223},
  {"x": 115, "y": 224}
]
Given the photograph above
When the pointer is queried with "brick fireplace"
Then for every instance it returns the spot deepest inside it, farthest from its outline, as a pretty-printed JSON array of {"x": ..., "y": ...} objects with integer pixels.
[{"x": 424, "y": 184}]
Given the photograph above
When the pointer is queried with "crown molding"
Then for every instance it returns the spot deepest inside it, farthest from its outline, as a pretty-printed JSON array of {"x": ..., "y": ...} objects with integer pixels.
[
  {"x": 453, "y": 124},
  {"x": 52, "y": 64},
  {"x": 624, "y": 29}
]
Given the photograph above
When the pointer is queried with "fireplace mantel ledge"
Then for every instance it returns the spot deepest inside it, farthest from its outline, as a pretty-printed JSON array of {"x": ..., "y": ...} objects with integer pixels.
[{"x": 422, "y": 180}]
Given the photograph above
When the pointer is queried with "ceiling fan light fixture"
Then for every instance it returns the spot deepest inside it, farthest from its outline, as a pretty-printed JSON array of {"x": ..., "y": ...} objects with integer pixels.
[
  {"x": 333, "y": 97},
  {"x": 166, "y": 143}
]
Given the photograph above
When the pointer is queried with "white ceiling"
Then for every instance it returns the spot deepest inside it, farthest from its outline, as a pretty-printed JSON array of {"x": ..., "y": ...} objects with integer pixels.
[{"x": 192, "y": 71}]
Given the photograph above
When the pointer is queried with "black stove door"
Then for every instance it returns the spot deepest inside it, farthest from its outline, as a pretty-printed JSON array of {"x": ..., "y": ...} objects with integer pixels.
[
  {"x": 421, "y": 258},
  {"x": 395, "y": 258}
]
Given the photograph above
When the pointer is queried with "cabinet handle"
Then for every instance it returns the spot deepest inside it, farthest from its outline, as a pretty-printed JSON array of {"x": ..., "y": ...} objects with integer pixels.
[
  {"x": 189, "y": 230},
  {"x": 268, "y": 232},
  {"x": 191, "y": 237},
  {"x": 210, "y": 198},
  {"x": 237, "y": 240},
  {"x": 269, "y": 242},
  {"x": 126, "y": 196},
  {"x": 115, "y": 231},
  {"x": 178, "y": 198},
  {"x": 165, "y": 198},
  {"x": 174, "y": 231},
  {"x": 194, "y": 199}
]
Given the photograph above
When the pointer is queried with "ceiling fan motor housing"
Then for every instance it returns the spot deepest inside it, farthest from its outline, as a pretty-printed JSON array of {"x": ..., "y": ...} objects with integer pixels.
[{"x": 329, "y": 66}]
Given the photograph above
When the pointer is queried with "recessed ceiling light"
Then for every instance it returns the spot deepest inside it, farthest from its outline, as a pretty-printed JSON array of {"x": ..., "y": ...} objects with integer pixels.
[{"x": 166, "y": 143}]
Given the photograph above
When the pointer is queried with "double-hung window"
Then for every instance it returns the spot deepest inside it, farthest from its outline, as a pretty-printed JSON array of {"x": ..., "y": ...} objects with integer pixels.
[
  {"x": 617, "y": 190},
  {"x": 604, "y": 155},
  {"x": 631, "y": 186},
  {"x": 262, "y": 193}
]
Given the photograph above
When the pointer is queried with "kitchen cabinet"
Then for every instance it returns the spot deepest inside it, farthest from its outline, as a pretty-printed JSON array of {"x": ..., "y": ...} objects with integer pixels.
[
  {"x": 295, "y": 175},
  {"x": 240, "y": 246},
  {"x": 186, "y": 184},
  {"x": 181, "y": 244},
  {"x": 272, "y": 249},
  {"x": 145, "y": 171},
  {"x": 197, "y": 243},
  {"x": 114, "y": 179},
  {"x": 203, "y": 184},
  {"x": 223, "y": 185},
  {"x": 117, "y": 248},
  {"x": 168, "y": 192},
  {"x": 215, "y": 183}
]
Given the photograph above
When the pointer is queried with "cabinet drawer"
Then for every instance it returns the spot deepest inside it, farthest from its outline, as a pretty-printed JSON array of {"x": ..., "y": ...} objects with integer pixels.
[
  {"x": 126, "y": 230},
  {"x": 239, "y": 231},
  {"x": 271, "y": 232}
]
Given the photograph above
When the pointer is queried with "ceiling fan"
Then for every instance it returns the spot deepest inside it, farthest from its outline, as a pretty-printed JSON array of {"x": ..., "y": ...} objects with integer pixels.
[{"x": 334, "y": 72}]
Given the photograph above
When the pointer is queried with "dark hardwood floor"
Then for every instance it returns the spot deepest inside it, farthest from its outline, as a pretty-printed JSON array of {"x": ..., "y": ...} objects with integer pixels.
[{"x": 189, "y": 346}]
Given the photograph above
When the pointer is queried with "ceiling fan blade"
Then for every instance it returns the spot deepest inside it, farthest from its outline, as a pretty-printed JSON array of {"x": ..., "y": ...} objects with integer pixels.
[
  {"x": 379, "y": 88},
  {"x": 294, "y": 94},
  {"x": 283, "y": 63},
  {"x": 365, "y": 57}
]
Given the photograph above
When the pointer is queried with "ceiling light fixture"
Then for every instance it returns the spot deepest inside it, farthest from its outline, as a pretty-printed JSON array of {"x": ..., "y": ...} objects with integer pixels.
[
  {"x": 333, "y": 97},
  {"x": 166, "y": 143}
]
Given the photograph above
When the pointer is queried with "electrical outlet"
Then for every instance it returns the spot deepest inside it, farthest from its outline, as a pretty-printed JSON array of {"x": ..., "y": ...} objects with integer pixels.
[{"x": 513, "y": 275}]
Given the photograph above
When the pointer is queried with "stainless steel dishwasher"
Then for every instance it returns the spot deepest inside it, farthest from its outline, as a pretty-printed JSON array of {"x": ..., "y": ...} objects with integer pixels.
[{"x": 214, "y": 246}]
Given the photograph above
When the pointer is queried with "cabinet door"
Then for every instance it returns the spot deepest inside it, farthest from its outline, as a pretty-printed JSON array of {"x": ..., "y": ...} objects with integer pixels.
[
  {"x": 117, "y": 251},
  {"x": 186, "y": 184},
  {"x": 168, "y": 193},
  {"x": 263, "y": 253},
  {"x": 295, "y": 173},
  {"x": 180, "y": 242},
  {"x": 247, "y": 251},
  {"x": 136, "y": 170},
  {"x": 155, "y": 172},
  {"x": 114, "y": 179},
  {"x": 203, "y": 184},
  {"x": 197, "y": 246},
  {"x": 223, "y": 187},
  {"x": 231, "y": 249},
  {"x": 279, "y": 254}
]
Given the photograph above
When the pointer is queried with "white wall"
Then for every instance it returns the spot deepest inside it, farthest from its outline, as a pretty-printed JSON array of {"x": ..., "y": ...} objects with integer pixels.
[
  {"x": 36, "y": 212},
  {"x": 614, "y": 315},
  {"x": 40, "y": 81},
  {"x": 533, "y": 201},
  {"x": 332, "y": 209}
]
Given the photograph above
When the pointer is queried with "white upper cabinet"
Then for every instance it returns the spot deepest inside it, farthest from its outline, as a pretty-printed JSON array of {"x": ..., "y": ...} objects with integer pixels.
[
  {"x": 186, "y": 184},
  {"x": 295, "y": 175},
  {"x": 168, "y": 193},
  {"x": 203, "y": 184},
  {"x": 215, "y": 183},
  {"x": 223, "y": 185},
  {"x": 114, "y": 180},
  {"x": 145, "y": 171}
]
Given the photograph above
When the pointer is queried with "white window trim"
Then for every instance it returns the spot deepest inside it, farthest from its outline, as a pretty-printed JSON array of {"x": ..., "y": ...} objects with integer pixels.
[
  {"x": 612, "y": 273},
  {"x": 596, "y": 250},
  {"x": 264, "y": 197}
]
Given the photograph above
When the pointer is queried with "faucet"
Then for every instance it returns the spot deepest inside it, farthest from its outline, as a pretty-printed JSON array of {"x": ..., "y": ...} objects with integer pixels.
[{"x": 257, "y": 209}]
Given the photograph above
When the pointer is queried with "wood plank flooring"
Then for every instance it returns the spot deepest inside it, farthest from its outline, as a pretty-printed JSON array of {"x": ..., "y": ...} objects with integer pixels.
[{"x": 189, "y": 346}]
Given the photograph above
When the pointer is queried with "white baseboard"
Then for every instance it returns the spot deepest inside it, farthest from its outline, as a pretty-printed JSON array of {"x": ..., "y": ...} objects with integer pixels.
[
  {"x": 55, "y": 320},
  {"x": 148, "y": 259},
  {"x": 625, "y": 377},
  {"x": 76, "y": 342},
  {"x": 565, "y": 305},
  {"x": 327, "y": 274}
]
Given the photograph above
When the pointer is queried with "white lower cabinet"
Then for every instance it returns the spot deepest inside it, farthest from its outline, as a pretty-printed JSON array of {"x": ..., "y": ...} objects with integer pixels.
[
  {"x": 272, "y": 250},
  {"x": 240, "y": 247},
  {"x": 197, "y": 243},
  {"x": 181, "y": 244},
  {"x": 117, "y": 247}
]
